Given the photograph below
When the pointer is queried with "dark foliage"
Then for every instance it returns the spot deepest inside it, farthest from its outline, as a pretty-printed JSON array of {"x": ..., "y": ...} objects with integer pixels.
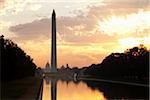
[
  {"x": 15, "y": 63},
  {"x": 132, "y": 65}
]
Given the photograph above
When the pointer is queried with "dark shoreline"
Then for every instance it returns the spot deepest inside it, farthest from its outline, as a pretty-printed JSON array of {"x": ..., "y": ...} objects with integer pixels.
[
  {"x": 118, "y": 90},
  {"x": 26, "y": 88}
]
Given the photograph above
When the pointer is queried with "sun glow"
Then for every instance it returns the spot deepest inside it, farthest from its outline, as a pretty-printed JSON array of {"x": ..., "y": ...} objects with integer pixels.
[
  {"x": 132, "y": 41},
  {"x": 133, "y": 23}
]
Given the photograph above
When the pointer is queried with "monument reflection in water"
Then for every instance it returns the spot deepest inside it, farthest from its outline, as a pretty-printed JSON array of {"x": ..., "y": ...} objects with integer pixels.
[
  {"x": 91, "y": 90},
  {"x": 61, "y": 90}
]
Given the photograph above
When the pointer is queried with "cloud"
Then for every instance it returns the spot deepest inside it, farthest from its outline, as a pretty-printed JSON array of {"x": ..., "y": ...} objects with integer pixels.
[
  {"x": 34, "y": 30},
  {"x": 128, "y": 3},
  {"x": 16, "y": 6},
  {"x": 133, "y": 23},
  {"x": 34, "y": 7},
  {"x": 2, "y": 4},
  {"x": 118, "y": 8},
  {"x": 78, "y": 32},
  {"x": 13, "y": 6},
  {"x": 89, "y": 36},
  {"x": 89, "y": 26}
]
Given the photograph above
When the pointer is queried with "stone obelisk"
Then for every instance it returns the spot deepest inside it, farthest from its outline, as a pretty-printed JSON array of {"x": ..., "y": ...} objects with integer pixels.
[{"x": 53, "y": 44}]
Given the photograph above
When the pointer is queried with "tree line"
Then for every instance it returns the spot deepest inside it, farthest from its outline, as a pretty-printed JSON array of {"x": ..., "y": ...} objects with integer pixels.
[
  {"x": 15, "y": 63},
  {"x": 132, "y": 65}
]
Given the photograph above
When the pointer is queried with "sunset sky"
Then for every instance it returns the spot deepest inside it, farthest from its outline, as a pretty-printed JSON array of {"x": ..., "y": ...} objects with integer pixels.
[{"x": 87, "y": 30}]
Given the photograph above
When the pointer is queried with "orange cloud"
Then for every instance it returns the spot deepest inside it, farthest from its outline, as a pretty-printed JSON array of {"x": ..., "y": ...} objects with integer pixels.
[
  {"x": 133, "y": 23},
  {"x": 88, "y": 37}
]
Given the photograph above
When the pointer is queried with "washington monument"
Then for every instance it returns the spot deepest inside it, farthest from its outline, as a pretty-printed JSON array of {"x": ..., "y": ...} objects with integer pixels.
[{"x": 53, "y": 44}]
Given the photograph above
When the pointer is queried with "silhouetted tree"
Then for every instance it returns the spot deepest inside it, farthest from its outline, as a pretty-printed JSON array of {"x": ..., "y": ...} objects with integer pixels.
[
  {"x": 15, "y": 62},
  {"x": 133, "y": 64}
]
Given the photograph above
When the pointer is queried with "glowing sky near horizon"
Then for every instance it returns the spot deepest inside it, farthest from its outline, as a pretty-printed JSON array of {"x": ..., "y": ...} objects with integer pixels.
[{"x": 87, "y": 31}]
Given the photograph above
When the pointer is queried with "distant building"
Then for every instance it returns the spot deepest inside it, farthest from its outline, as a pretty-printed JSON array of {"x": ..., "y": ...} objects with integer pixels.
[{"x": 47, "y": 67}]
